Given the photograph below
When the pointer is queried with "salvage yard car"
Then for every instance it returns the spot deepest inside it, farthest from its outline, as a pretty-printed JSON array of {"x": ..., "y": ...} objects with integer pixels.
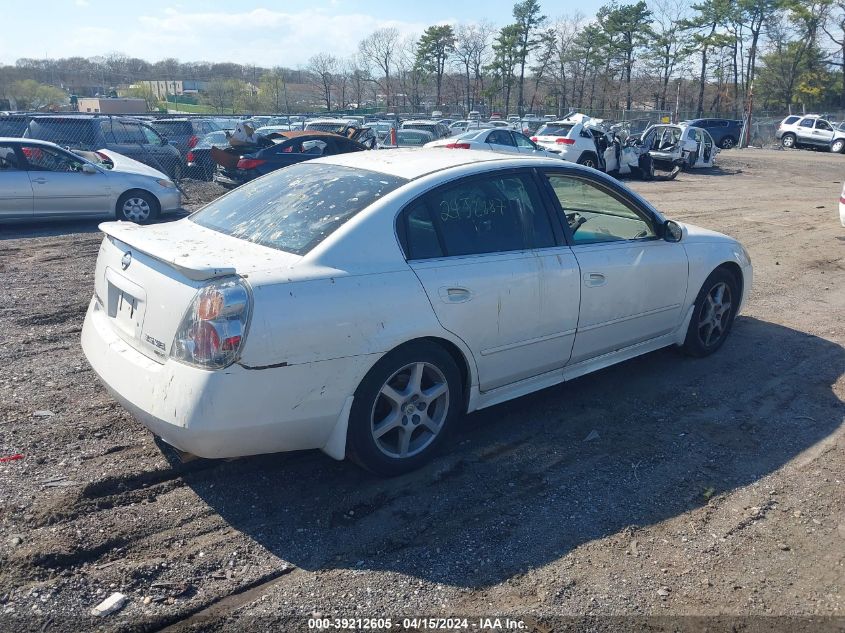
[
  {"x": 496, "y": 140},
  {"x": 680, "y": 145},
  {"x": 40, "y": 180},
  {"x": 360, "y": 304},
  {"x": 571, "y": 139},
  {"x": 810, "y": 131}
]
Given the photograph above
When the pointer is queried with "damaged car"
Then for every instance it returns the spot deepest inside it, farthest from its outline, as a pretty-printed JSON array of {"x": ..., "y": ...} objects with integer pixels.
[
  {"x": 361, "y": 304},
  {"x": 680, "y": 145},
  {"x": 237, "y": 165}
]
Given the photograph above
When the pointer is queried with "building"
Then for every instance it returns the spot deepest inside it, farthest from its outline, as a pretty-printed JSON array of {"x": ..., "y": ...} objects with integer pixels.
[
  {"x": 162, "y": 88},
  {"x": 106, "y": 105}
]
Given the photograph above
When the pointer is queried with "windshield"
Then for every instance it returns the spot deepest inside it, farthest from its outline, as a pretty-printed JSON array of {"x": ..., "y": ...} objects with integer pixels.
[
  {"x": 296, "y": 208},
  {"x": 554, "y": 129}
]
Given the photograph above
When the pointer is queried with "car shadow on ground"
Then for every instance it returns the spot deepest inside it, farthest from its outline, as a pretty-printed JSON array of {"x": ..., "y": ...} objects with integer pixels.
[{"x": 527, "y": 481}]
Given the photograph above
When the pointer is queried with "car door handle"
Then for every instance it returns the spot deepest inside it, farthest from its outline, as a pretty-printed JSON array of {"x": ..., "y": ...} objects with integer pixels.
[
  {"x": 594, "y": 280},
  {"x": 454, "y": 294},
  {"x": 40, "y": 181}
]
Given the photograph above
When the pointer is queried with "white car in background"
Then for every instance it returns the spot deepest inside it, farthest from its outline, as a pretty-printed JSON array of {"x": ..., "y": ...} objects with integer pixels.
[
  {"x": 680, "y": 144},
  {"x": 571, "y": 139},
  {"x": 440, "y": 283},
  {"x": 40, "y": 180},
  {"x": 494, "y": 139}
]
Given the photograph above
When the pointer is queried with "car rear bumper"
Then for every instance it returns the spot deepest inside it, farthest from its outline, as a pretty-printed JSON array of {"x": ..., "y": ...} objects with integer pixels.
[{"x": 231, "y": 412}]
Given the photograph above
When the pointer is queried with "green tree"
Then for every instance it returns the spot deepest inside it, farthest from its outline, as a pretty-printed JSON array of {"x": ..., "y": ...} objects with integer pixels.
[
  {"x": 433, "y": 51},
  {"x": 528, "y": 21},
  {"x": 505, "y": 60},
  {"x": 629, "y": 28},
  {"x": 31, "y": 95}
]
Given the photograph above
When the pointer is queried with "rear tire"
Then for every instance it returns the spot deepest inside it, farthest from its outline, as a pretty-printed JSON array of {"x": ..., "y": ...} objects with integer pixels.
[
  {"x": 137, "y": 206},
  {"x": 404, "y": 409},
  {"x": 788, "y": 141},
  {"x": 727, "y": 143},
  {"x": 713, "y": 315},
  {"x": 588, "y": 159}
]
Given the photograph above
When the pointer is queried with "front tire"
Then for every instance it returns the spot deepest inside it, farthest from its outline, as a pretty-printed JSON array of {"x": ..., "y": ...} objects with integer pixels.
[
  {"x": 714, "y": 313},
  {"x": 404, "y": 409},
  {"x": 137, "y": 206},
  {"x": 838, "y": 146}
]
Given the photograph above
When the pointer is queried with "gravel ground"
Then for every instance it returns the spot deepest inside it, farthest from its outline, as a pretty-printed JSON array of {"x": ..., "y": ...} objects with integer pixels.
[{"x": 710, "y": 487}]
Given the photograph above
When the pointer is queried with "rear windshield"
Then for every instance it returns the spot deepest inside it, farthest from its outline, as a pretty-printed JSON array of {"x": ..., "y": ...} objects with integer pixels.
[
  {"x": 554, "y": 129},
  {"x": 426, "y": 127},
  {"x": 337, "y": 128},
  {"x": 12, "y": 126},
  {"x": 296, "y": 208},
  {"x": 172, "y": 127}
]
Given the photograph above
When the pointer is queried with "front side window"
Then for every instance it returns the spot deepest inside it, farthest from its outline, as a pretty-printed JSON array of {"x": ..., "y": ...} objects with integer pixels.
[
  {"x": 296, "y": 208},
  {"x": 40, "y": 158},
  {"x": 523, "y": 141},
  {"x": 151, "y": 136},
  {"x": 494, "y": 214},
  {"x": 595, "y": 215},
  {"x": 823, "y": 125}
]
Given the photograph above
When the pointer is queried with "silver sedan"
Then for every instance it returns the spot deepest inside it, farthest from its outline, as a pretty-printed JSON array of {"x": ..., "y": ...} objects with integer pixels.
[{"x": 40, "y": 180}]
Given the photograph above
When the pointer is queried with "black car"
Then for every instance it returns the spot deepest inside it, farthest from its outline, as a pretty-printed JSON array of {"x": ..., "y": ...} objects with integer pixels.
[
  {"x": 239, "y": 165},
  {"x": 184, "y": 133},
  {"x": 199, "y": 160},
  {"x": 725, "y": 132},
  {"x": 123, "y": 135}
]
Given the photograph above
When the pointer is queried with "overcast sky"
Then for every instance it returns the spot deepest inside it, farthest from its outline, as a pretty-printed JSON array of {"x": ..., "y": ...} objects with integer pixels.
[{"x": 284, "y": 33}]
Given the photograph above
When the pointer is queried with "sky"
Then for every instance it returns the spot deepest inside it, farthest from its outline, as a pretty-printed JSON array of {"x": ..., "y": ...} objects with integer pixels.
[{"x": 268, "y": 33}]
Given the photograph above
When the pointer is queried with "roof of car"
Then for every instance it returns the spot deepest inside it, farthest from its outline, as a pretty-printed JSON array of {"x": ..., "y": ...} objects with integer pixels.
[
  {"x": 28, "y": 141},
  {"x": 420, "y": 121},
  {"x": 414, "y": 163}
]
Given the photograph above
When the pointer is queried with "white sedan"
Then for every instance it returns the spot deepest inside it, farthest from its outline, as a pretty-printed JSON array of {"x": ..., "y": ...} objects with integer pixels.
[
  {"x": 361, "y": 303},
  {"x": 496, "y": 140}
]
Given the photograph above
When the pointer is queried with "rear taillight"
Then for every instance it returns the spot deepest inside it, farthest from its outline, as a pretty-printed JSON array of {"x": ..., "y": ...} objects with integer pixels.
[
  {"x": 213, "y": 329},
  {"x": 565, "y": 141},
  {"x": 193, "y": 141},
  {"x": 458, "y": 145},
  {"x": 250, "y": 163},
  {"x": 190, "y": 158},
  {"x": 534, "y": 138}
]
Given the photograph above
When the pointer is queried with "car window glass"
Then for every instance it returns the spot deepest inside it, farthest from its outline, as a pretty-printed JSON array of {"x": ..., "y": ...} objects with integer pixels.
[
  {"x": 491, "y": 214},
  {"x": 65, "y": 132},
  {"x": 499, "y": 137},
  {"x": 42, "y": 158},
  {"x": 8, "y": 158},
  {"x": 150, "y": 135},
  {"x": 297, "y": 207},
  {"x": 115, "y": 132},
  {"x": 523, "y": 141},
  {"x": 790, "y": 120},
  {"x": 594, "y": 215},
  {"x": 421, "y": 234},
  {"x": 807, "y": 122},
  {"x": 133, "y": 132},
  {"x": 823, "y": 125}
]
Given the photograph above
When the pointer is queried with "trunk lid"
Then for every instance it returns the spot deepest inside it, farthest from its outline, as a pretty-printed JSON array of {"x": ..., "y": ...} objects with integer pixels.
[{"x": 146, "y": 277}]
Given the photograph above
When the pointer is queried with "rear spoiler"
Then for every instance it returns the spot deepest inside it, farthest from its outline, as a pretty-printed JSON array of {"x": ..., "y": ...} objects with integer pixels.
[{"x": 194, "y": 263}]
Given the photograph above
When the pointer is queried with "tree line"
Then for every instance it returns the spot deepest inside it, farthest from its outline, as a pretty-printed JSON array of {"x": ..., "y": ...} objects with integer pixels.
[{"x": 716, "y": 56}]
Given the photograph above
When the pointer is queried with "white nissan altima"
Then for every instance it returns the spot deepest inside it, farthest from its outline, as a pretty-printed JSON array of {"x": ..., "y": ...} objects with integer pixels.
[{"x": 362, "y": 303}]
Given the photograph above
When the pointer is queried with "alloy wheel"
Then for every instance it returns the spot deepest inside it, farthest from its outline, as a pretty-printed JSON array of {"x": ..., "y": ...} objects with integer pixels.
[
  {"x": 715, "y": 314},
  {"x": 410, "y": 410}
]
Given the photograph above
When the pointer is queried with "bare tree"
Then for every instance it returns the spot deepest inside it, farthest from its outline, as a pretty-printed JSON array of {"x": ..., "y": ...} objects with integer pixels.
[
  {"x": 379, "y": 49},
  {"x": 322, "y": 68}
]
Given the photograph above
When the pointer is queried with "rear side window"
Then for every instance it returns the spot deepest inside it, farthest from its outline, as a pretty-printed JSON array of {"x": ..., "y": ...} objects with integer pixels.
[
  {"x": 12, "y": 126},
  {"x": 497, "y": 213},
  {"x": 8, "y": 158},
  {"x": 807, "y": 122},
  {"x": 173, "y": 128},
  {"x": 66, "y": 132},
  {"x": 296, "y": 208},
  {"x": 789, "y": 120}
]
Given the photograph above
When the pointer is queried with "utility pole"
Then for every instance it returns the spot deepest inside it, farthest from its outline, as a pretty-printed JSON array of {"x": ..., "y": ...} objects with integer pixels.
[{"x": 678, "y": 103}]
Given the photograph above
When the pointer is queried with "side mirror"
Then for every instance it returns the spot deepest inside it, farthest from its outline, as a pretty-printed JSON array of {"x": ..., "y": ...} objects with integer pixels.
[
  {"x": 164, "y": 140},
  {"x": 88, "y": 169},
  {"x": 672, "y": 231}
]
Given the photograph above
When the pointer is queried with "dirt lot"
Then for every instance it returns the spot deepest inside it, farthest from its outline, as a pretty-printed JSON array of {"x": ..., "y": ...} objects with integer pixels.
[{"x": 714, "y": 486}]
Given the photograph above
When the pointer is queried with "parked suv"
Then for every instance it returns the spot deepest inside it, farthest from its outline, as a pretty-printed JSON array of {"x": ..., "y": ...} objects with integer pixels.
[
  {"x": 123, "y": 135},
  {"x": 810, "y": 131},
  {"x": 725, "y": 132},
  {"x": 184, "y": 133}
]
